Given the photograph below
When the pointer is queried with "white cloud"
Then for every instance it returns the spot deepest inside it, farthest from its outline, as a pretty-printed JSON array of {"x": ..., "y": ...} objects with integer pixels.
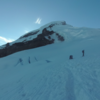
[
  {"x": 3, "y": 39},
  {"x": 38, "y": 21}
]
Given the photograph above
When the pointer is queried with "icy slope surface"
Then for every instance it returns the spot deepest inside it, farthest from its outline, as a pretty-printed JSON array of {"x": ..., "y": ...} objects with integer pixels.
[{"x": 50, "y": 75}]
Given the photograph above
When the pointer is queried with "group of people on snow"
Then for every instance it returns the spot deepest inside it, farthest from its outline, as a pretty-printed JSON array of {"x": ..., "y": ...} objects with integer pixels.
[{"x": 71, "y": 56}]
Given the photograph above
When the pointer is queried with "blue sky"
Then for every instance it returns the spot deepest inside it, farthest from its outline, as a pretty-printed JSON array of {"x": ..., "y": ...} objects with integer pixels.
[{"x": 20, "y": 16}]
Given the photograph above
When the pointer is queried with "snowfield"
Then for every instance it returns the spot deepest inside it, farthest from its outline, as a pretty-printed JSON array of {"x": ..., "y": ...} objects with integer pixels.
[{"x": 46, "y": 73}]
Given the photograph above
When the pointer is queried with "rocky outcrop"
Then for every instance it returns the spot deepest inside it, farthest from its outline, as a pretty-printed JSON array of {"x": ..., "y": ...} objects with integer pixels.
[{"x": 39, "y": 41}]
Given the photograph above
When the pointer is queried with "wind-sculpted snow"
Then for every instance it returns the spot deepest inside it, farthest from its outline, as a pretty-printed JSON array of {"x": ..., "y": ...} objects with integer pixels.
[{"x": 46, "y": 73}]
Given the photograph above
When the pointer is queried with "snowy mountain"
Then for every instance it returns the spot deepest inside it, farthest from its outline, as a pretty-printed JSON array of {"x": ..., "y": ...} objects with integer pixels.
[
  {"x": 41, "y": 37},
  {"x": 47, "y": 73},
  {"x": 50, "y": 33}
]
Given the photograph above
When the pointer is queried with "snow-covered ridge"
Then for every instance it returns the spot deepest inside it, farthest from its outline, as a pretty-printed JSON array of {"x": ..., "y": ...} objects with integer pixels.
[
  {"x": 33, "y": 34},
  {"x": 68, "y": 32},
  {"x": 41, "y": 37}
]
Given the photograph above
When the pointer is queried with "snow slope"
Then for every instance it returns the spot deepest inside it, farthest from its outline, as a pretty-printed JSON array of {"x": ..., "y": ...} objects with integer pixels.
[
  {"x": 50, "y": 75},
  {"x": 46, "y": 73}
]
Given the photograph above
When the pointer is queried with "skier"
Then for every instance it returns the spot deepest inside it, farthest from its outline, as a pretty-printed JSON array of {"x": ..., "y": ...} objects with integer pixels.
[
  {"x": 71, "y": 57},
  {"x": 21, "y": 61},
  {"x": 83, "y": 52},
  {"x": 29, "y": 60}
]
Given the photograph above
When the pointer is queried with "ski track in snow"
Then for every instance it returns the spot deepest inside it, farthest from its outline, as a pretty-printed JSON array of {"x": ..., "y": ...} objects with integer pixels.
[
  {"x": 86, "y": 78},
  {"x": 51, "y": 85}
]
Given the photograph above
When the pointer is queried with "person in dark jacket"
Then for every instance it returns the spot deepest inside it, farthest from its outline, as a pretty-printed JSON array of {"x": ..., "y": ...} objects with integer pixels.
[
  {"x": 20, "y": 61},
  {"x": 29, "y": 60},
  {"x": 71, "y": 57},
  {"x": 83, "y": 53}
]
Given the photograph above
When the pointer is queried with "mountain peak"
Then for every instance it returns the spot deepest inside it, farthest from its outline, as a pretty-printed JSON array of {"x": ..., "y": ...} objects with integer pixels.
[
  {"x": 50, "y": 33},
  {"x": 43, "y": 36}
]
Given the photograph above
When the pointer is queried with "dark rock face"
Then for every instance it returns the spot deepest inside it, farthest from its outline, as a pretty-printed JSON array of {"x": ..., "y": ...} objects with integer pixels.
[
  {"x": 60, "y": 37},
  {"x": 37, "y": 42}
]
